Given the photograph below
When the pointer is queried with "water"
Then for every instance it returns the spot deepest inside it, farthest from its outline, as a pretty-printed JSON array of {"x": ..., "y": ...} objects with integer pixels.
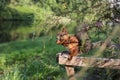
[
  {"x": 19, "y": 30},
  {"x": 13, "y": 30}
]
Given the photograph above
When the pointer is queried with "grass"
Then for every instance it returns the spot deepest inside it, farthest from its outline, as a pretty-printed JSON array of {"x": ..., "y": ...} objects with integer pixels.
[{"x": 30, "y": 59}]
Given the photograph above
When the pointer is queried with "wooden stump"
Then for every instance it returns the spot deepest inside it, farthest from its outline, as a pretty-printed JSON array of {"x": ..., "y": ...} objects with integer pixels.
[
  {"x": 89, "y": 62},
  {"x": 62, "y": 59},
  {"x": 70, "y": 72}
]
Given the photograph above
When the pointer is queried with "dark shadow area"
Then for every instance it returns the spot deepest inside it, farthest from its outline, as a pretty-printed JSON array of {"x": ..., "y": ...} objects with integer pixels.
[
  {"x": 4, "y": 36},
  {"x": 100, "y": 74},
  {"x": 4, "y": 3}
]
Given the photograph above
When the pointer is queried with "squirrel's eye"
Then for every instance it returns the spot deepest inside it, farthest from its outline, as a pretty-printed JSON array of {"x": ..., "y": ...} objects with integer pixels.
[{"x": 61, "y": 35}]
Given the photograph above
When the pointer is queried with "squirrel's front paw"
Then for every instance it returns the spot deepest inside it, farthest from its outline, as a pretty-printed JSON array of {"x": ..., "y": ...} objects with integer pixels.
[{"x": 70, "y": 58}]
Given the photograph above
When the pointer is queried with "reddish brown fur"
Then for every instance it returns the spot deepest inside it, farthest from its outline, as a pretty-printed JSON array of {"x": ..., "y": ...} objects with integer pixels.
[{"x": 71, "y": 42}]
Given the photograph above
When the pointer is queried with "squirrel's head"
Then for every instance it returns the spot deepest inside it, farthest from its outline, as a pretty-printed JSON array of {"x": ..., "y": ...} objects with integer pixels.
[{"x": 62, "y": 36}]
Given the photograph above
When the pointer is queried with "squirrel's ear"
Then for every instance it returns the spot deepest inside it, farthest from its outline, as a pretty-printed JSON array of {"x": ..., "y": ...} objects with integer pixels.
[{"x": 64, "y": 30}]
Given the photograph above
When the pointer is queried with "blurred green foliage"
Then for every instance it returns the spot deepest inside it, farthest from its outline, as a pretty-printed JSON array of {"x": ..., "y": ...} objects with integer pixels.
[{"x": 28, "y": 29}]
